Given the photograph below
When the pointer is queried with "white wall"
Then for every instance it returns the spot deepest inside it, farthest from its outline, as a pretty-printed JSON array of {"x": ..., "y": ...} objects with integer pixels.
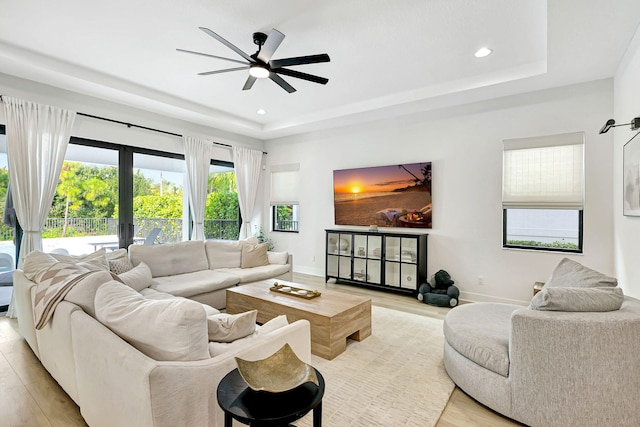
[
  {"x": 465, "y": 146},
  {"x": 626, "y": 228}
]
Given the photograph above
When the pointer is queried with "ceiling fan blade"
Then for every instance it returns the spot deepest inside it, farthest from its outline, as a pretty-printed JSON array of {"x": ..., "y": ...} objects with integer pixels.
[
  {"x": 270, "y": 46},
  {"x": 211, "y": 56},
  {"x": 227, "y": 44},
  {"x": 299, "y": 75},
  {"x": 299, "y": 60},
  {"x": 280, "y": 81},
  {"x": 249, "y": 83},
  {"x": 226, "y": 70}
]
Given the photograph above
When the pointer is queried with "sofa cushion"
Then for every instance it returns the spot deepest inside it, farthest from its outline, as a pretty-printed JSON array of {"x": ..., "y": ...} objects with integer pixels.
[
  {"x": 165, "y": 330},
  {"x": 225, "y": 327},
  {"x": 578, "y": 299},
  {"x": 223, "y": 253},
  {"x": 149, "y": 293},
  {"x": 84, "y": 292},
  {"x": 278, "y": 257},
  {"x": 138, "y": 278},
  {"x": 199, "y": 282},
  {"x": 480, "y": 332},
  {"x": 226, "y": 253},
  {"x": 254, "y": 255},
  {"x": 572, "y": 274},
  {"x": 172, "y": 258},
  {"x": 247, "y": 275}
]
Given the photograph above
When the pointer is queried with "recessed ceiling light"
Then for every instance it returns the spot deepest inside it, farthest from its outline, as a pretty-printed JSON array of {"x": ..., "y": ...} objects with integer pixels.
[
  {"x": 262, "y": 112},
  {"x": 482, "y": 52}
]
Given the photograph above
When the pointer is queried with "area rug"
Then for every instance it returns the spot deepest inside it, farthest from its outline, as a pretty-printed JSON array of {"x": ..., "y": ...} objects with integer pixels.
[{"x": 395, "y": 377}]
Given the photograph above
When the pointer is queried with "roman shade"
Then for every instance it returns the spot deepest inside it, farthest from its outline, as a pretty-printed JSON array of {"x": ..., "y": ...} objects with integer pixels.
[
  {"x": 544, "y": 172},
  {"x": 285, "y": 181}
]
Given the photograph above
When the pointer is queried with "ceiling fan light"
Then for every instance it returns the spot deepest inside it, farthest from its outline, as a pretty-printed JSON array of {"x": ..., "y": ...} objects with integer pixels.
[{"x": 258, "y": 71}]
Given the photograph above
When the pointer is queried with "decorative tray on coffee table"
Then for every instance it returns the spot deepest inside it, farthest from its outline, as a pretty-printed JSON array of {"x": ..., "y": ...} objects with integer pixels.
[{"x": 292, "y": 290}]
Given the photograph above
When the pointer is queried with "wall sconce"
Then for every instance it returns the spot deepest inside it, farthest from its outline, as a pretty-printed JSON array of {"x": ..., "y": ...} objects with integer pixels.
[{"x": 635, "y": 124}]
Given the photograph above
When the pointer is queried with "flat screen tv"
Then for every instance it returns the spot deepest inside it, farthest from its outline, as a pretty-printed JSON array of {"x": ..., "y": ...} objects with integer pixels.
[{"x": 385, "y": 196}]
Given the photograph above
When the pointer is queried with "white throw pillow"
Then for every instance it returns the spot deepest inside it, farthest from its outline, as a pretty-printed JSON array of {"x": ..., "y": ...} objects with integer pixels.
[
  {"x": 230, "y": 327},
  {"x": 273, "y": 324},
  {"x": 165, "y": 330},
  {"x": 138, "y": 278},
  {"x": 278, "y": 257}
]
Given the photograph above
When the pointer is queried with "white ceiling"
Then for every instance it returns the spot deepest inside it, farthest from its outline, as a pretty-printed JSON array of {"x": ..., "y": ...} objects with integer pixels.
[{"x": 387, "y": 58}]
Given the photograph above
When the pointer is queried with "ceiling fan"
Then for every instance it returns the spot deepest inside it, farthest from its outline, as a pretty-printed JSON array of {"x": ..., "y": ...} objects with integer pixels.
[{"x": 260, "y": 64}]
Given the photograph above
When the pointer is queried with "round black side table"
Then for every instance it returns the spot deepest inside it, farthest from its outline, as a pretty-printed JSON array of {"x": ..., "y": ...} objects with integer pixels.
[{"x": 264, "y": 409}]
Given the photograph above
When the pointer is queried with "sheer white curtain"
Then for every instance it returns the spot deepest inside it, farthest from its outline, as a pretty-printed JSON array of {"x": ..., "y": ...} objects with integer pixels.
[
  {"x": 37, "y": 139},
  {"x": 197, "y": 155},
  {"x": 247, "y": 164}
]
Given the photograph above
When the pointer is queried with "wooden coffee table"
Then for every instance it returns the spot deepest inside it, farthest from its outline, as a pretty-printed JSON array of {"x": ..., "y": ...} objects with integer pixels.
[{"x": 334, "y": 316}]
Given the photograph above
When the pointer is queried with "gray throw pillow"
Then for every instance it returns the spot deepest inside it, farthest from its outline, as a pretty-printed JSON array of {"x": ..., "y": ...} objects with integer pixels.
[
  {"x": 571, "y": 274},
  {"x": 578, "y": 299}
]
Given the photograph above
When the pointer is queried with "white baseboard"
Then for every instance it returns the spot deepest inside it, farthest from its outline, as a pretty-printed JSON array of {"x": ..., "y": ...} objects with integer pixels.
[{"x": 473, "y": 297}]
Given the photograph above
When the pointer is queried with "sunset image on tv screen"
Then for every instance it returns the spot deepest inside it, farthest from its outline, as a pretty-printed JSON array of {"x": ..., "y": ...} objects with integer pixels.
[{"x": 386, "y": 196}]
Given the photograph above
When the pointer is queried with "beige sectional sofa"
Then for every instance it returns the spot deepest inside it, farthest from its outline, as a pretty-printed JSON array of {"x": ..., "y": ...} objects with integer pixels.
[
  {"x": 95, "y": 344},
  {"x": 202, "y": 271}
]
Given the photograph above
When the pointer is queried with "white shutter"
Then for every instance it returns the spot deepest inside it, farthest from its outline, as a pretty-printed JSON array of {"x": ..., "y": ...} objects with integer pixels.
[
  {"x": 544, "y": 172},
  {"x": 285, "y": 184}
]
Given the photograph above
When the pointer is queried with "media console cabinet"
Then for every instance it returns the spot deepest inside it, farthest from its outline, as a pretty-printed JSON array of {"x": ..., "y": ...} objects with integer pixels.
[{"x": 383, "y": 260}]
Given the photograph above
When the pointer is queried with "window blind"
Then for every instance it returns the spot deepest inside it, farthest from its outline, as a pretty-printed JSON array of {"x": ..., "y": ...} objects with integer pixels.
[
  {"x": 544, "y": 172},
  {"x": 284, "y": 184}
]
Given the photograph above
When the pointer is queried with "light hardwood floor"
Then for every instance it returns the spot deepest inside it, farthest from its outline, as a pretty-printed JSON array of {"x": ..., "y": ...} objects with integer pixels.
[{"x": 30, "y": 397}]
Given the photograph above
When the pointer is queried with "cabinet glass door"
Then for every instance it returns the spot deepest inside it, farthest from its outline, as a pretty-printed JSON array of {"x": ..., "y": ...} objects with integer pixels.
[
  {"x": 332, "y": 243},
  {"x": 392, "y": 273},
  {"x": 373, "y": 271},
  {"x": 392, "y": 249},
  {"x": 344, "y": 267},
  {"x": 408, "y": 250},
  {"x": 408, "y": 276},
  {"x": 332, "y": 265},
  {"x": 360, "y": 269},
  {"x": 359, "y": 246}
]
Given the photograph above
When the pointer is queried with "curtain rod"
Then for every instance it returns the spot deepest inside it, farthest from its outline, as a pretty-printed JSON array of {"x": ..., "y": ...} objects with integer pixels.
[{"x": 130, "y": 125}]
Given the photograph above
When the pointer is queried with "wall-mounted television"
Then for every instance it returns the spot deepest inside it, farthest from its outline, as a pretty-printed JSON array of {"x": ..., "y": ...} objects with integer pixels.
[{"x": 385, "y": 196}]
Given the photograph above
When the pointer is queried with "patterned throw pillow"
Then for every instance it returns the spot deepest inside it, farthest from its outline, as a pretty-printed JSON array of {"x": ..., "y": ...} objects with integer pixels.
[{"x": 120, "y": 265}]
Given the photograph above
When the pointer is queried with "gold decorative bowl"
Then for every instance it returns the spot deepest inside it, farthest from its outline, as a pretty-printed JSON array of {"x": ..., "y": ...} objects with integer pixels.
[{"x": 282, "y": 371}]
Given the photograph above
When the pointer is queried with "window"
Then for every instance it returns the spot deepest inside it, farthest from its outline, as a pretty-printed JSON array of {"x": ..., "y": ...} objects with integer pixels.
[
  {"x": 222, "y": 210},
  {"x": 159, "y": 203},
  {"x": 284, "y": 197},
  {"x": 543, "y": 192}
]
